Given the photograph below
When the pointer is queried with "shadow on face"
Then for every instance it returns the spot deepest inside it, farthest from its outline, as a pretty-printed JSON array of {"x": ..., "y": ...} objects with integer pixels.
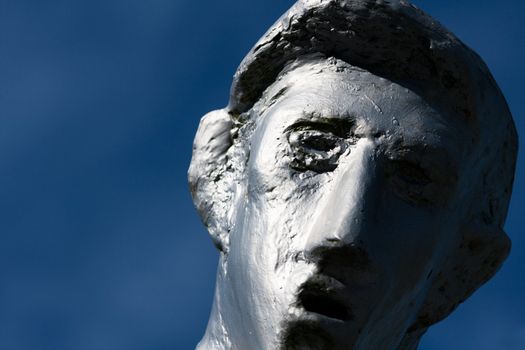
[
  {"x": 339, "y": 207},
  {"x": 358, "y": 175}
]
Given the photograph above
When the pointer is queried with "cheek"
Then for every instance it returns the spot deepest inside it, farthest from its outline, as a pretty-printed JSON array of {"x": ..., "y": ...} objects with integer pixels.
[
  {"x": 268, "y": 158},
  {"x": 280, "y": 205},
  {"x": 409, "y": 241}
]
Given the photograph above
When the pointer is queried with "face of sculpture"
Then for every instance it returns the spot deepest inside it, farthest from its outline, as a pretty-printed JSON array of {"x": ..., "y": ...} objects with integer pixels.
[{"x": 350, "y": 198}]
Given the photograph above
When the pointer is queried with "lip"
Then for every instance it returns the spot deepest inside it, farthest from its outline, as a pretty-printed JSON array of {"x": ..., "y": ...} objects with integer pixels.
[
  {"x": 344, "y": 272},
  {"x": 324, "y": 296},
  {"x": 348, "y": 264}
]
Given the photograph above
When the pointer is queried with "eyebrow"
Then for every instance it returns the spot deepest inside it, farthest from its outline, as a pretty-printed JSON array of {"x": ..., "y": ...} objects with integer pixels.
[
  {"x": 273, "y": 99},
  {"x": 341, "y": 127},
  {"x": 436, "y": 158}
]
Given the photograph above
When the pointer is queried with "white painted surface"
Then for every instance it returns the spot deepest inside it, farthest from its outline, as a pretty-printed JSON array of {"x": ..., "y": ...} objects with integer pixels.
[{"x": 349, "y": 209}]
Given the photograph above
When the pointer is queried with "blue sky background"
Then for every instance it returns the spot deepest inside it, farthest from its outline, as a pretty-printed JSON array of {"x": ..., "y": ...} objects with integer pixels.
[{"x": 100, "y": 247}]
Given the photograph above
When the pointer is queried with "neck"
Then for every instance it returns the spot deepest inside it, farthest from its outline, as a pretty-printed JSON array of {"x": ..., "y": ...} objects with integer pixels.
[
  {"x": 411, "y": 340},
  {"x": 216, "y": 336}
]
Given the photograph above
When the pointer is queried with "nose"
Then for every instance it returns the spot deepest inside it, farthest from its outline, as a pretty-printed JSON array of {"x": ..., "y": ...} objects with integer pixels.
[{"x": 348, "y": 203}]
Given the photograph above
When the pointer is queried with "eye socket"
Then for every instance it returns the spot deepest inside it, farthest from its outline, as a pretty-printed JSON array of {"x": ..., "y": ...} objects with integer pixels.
[
  {"x": 314, "y": 140},
  {"x": 411, "y": 173},
  {"x": 413, "y": 183},
  {"x": 315, "y": 150}
]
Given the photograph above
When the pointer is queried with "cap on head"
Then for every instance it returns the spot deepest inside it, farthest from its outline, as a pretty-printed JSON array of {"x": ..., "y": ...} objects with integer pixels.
[{"x": 390, "y": 38}]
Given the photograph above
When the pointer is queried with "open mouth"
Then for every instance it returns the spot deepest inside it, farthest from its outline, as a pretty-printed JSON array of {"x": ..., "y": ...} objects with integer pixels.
[
  {"x": 320, "y": 299},
  {"x": 340, "y": 268},
  {"x": 326, "y": 306}
]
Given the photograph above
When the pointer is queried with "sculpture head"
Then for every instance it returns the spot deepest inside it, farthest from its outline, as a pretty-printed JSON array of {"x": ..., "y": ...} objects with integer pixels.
[{"x": 356, "y": 184}]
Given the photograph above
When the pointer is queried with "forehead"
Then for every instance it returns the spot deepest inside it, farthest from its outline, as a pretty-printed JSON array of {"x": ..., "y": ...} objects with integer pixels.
[{"x": 332, "y": 89}]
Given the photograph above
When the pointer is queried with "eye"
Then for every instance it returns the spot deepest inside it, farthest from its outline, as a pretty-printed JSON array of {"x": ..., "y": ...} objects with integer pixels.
[
  {"x": 315, "y": 150},
  {"x": 411, "y": 173},
  {"x": 314, "y": 140},
  {"x": 412, "y": 183}
]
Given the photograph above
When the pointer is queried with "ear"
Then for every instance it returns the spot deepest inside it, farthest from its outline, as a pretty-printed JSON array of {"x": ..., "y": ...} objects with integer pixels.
[
  {"x": 207, "y": 174},
  {"x": 475, "y": 260}
]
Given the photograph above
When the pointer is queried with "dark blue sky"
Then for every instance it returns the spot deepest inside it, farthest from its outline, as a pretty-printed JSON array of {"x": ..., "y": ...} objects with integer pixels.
[{"x": 100, "y": 247}]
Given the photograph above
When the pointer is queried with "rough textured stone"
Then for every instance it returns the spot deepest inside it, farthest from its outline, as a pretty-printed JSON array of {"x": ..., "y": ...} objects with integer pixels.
[{"x": 357, "y": 183}]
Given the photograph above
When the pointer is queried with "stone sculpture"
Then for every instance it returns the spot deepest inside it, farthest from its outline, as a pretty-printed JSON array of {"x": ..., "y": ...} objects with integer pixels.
[{"x": 357, "y": 183}]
